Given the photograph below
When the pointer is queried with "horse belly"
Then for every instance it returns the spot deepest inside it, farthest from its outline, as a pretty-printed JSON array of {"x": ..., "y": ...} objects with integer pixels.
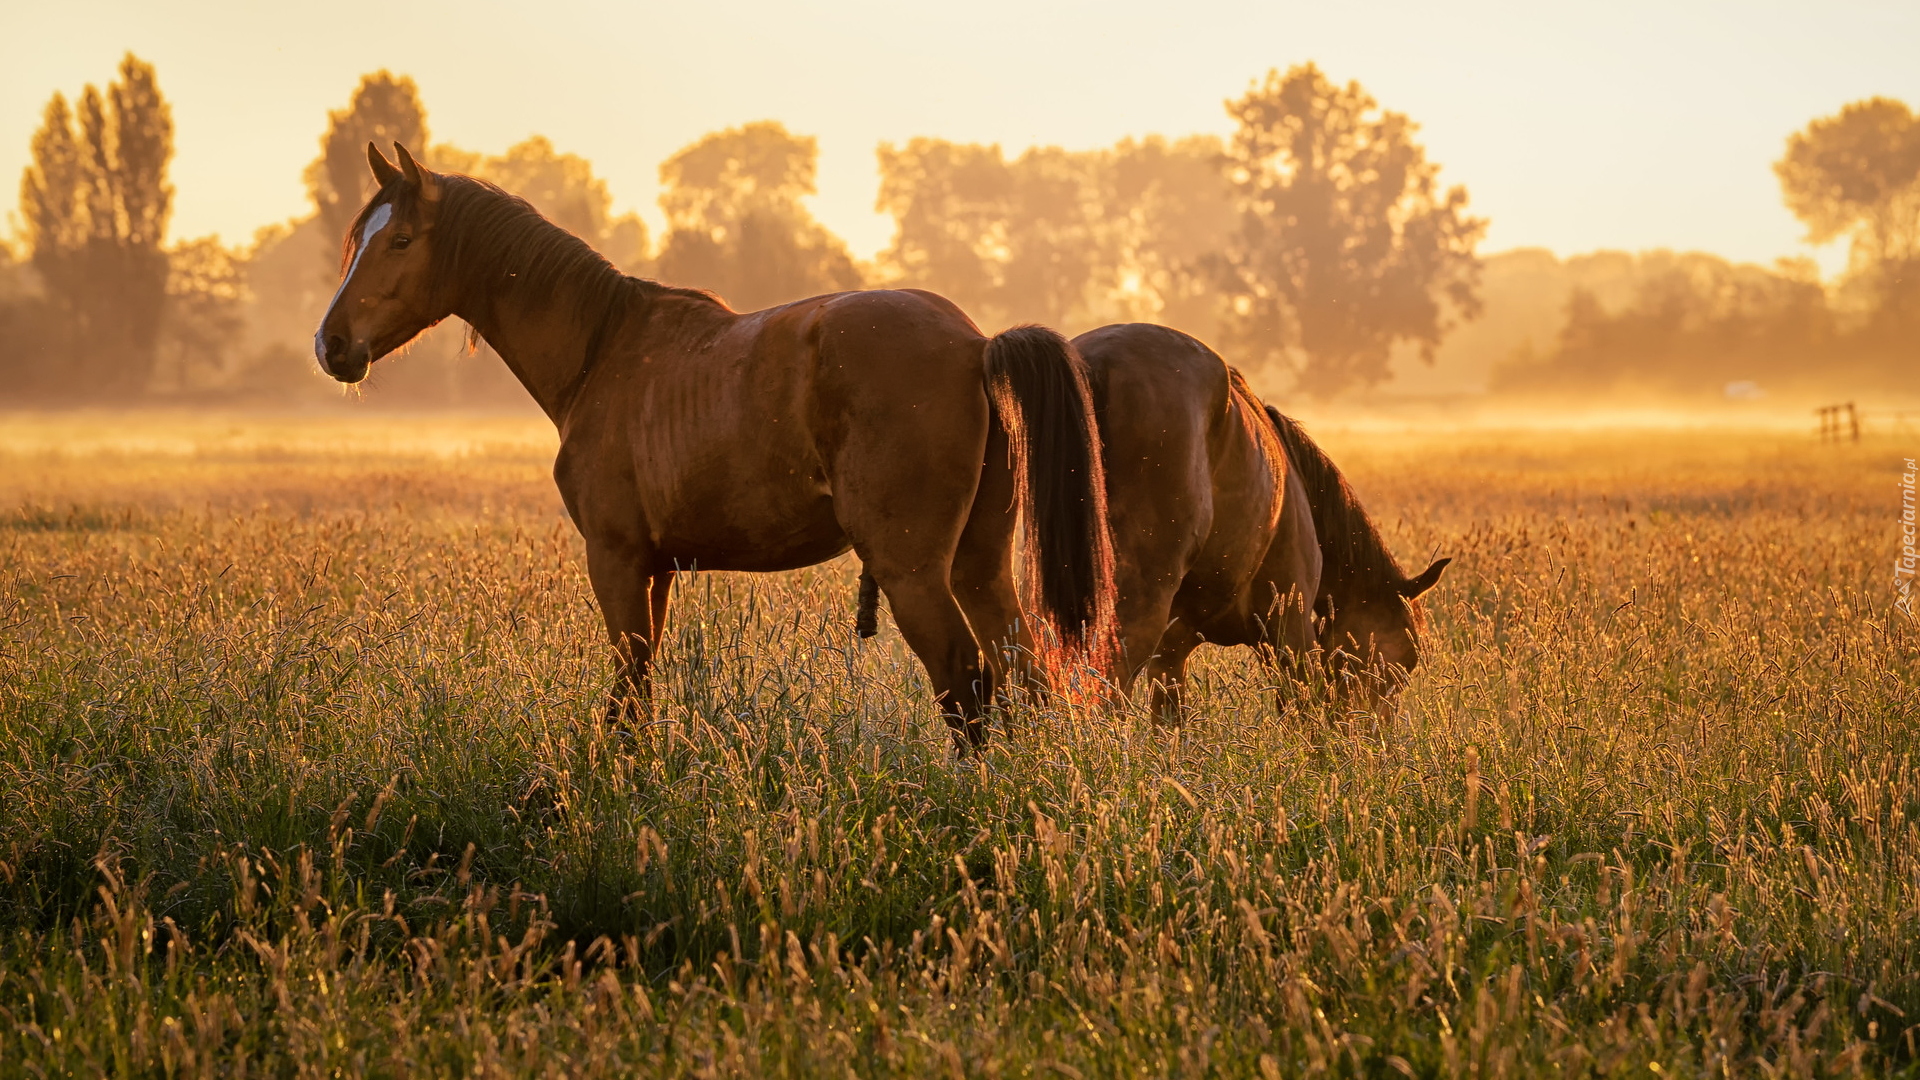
[{"x": 759, "y": 523}]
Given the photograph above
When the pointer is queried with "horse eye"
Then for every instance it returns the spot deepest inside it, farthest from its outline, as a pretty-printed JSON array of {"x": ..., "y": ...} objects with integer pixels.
[{"x": 400, "y": 242}]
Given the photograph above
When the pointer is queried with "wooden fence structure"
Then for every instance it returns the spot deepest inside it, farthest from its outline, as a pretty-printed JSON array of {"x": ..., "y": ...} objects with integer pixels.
[{"x": 1841, "y": 423}]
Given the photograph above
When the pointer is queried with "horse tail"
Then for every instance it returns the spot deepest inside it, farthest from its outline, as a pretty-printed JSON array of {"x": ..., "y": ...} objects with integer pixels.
[{"x": 1038, "y": 385}]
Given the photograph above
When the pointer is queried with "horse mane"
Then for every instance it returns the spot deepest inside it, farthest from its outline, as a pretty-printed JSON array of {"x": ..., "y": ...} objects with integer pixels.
[
  {"x": 1355, "y": 557},
  {"x": 483, "y": 234},
  {"x": 1267, "y": 442}
]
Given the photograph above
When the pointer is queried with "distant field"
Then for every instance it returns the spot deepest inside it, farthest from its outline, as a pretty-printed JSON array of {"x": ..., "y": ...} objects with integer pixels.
[{"x": 298, "y": 765}]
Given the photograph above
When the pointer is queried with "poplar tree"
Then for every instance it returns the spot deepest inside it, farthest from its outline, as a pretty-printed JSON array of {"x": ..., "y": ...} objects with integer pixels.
[{"x": 95, "y": 203}]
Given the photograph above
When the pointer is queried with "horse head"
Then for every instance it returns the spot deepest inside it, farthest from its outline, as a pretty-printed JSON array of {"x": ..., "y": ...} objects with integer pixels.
[
  {"x": 385, "y": 296},
  {"x": 1373, "y": 638}
]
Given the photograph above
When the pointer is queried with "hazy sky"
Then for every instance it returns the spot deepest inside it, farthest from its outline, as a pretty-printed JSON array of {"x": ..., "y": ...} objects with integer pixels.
[{"x": 1623, "y": 125}]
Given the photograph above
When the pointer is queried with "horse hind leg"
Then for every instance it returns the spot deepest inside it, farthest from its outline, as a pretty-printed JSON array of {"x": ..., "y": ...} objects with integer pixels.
[
  {"x": 936, "y": 630},
  {"x": 902, "y": 491},
  {"x": 917, "y": 580},
  {"x": 1166, "y": 672},
  {"x": 983, "y": 575},
  {"x": 660, "y": 591},
  {"x": 992, "y": 609}
]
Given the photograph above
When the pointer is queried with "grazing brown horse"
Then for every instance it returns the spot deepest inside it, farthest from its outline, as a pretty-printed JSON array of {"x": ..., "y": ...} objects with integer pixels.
[
  {"x": 1212, "y": 537},
  {"x": 692, "y": 436},
  {"x": 1368, "y": 610}
]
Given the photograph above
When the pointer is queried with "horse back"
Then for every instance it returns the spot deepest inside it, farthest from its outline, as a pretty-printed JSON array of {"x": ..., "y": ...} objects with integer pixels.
[{"x": 709, "y": 434}]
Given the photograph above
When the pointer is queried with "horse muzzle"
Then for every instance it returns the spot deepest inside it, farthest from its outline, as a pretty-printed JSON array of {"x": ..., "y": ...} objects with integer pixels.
[{"x": 346, "y": 361}]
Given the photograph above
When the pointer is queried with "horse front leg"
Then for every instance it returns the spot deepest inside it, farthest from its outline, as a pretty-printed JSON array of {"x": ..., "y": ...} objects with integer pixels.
[
  {"x": 1293, "y": 640},
  {"x": 1288, "y": 647},
  {"x": 622, "y": 583}
]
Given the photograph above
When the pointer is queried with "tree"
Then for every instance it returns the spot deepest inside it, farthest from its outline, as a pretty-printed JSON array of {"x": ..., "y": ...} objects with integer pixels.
[
  {"x": 950, "y": 208},
  {"x": 735, "y": 223},
  {"x": 206, "y": 298},
  {"x": 15, "y": 283},
  {"x": 25, "y": 325},
  {"x": 1345, "y": 243},
  {"x": 1056, "y": 248},
  {"x": 1691, "y": 324},
  {"x": 95, "y": 203},
  {"x": 1171, "y": 206},
  {"x": 1857, "y": 173},
  {"x": 384, "y": 109},
  {"x": 53, "y": 207},
  {"x": 1062, "y": 237},
  {"x": 1009, "y": 241}
]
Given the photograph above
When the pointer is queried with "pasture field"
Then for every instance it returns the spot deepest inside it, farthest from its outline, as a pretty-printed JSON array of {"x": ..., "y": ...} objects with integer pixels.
[{"x": 300, "y": 774}]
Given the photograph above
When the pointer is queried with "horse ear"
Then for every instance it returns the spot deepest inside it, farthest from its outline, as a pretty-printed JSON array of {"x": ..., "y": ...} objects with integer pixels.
[
  {"x": 384, "y": 171},
  {"x": 1427, "y": 579},
  {"x": 420, "y": 178}
]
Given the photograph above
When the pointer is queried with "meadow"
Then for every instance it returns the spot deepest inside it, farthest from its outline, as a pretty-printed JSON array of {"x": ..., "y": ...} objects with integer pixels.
[{"x": 301, "y": 774}]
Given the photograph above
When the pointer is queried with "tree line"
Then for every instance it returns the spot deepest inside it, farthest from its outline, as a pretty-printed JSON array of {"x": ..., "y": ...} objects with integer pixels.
[
  {"x": 1694, "y": 323},
  {"x": 1313, "y": 246},
  {"x": 1312, "y": 241}
]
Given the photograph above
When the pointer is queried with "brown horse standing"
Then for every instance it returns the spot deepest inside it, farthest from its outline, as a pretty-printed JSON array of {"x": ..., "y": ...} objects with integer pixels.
[
  {"x": 1368, "y": 610},
  {"x": 1212, "y": 537},
  {"x": 693, "y": 436}
]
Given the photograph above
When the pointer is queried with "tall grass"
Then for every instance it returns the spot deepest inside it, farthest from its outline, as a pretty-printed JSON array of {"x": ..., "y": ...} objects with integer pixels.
[{"x": 299, "y": 772}]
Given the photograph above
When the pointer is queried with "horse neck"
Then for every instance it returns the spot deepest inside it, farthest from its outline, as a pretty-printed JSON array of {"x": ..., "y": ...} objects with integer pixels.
[
  {"x": 1358, "y": 568},
  {"x": 547, "y": 341}
]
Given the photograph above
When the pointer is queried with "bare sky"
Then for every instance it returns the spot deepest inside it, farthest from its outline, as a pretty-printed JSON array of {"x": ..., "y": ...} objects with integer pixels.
[{"x": 1621, "y": 125}]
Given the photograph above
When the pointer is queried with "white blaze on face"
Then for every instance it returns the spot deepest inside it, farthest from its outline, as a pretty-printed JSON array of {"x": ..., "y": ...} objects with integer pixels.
[{"x": 375, "y": 222}]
